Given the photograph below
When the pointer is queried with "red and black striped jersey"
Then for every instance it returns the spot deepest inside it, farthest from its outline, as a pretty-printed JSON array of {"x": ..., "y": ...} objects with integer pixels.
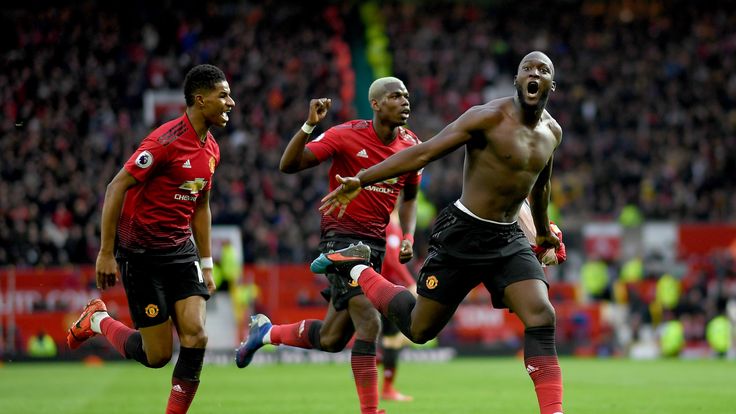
[
  {"x": 354, "y": 146},
  {"x": 173, "y": 167}
]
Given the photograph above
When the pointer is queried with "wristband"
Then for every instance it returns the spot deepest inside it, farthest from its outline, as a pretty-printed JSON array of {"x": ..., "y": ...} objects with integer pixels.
[
  {"x": 308, "y": 128},
  {"x": 409, "y": 237},
  {"x": 206, "y": 263}
]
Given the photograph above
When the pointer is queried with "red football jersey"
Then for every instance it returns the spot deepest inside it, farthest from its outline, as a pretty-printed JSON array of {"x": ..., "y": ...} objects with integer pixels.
[
  {"x": 172, "y": 166},
  {"x": 393, "y": 270},
  {"x": 354, "y": 146}
]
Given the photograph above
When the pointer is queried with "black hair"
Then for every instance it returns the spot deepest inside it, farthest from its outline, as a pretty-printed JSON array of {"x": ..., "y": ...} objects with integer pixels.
[{"x": 201, "y": 77}]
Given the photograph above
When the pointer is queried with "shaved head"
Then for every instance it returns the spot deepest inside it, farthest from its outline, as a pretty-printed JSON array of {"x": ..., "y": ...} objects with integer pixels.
[
  {"x": 537, "y": 55},
  {"x": 381, "y": 86}
]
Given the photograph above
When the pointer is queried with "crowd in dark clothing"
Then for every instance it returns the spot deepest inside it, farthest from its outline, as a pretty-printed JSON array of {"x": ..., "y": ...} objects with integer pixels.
[
  {"x": 645, "y": 95},
  {"x": 73, "y": 83}
]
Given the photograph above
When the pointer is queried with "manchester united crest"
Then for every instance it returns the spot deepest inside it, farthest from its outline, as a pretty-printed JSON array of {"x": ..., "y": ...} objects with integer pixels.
[{"x": 152, "y": 310}]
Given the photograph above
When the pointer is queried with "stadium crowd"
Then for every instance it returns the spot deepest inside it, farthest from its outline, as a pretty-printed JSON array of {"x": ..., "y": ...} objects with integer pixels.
[{"x": 645, "y": 95}]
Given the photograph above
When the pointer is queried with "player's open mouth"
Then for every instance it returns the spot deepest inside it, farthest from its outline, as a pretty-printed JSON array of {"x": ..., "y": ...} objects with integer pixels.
[
  {"x": 532, "y": 88},
  {"x": 225, "y": 116}
]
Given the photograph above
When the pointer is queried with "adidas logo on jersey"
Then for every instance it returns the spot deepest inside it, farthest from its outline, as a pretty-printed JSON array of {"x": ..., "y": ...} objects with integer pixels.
[
  {"x": 362, "y": 153},
  {"x": 186, "y": 164}
]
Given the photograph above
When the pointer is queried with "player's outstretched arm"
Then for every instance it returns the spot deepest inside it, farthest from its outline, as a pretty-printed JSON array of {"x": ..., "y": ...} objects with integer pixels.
[
  {"x": 341, "y": 196},
  {"x": 412, "y": 159}
]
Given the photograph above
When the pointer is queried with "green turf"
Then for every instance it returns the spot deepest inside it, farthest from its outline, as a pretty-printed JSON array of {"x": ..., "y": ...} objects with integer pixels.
[{"x": 489, "y": 385}]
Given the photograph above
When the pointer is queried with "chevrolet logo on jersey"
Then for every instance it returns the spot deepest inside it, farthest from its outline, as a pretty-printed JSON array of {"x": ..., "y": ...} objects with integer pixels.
[{"x": 194, "y": 186}]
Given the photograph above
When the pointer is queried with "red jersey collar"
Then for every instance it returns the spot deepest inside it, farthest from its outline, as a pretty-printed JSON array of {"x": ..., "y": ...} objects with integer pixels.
[{"x": 191, "y": 131}]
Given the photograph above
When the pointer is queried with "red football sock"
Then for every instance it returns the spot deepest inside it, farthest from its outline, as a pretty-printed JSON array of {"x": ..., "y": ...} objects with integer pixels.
[
  {"x": 116, "y": 333},
  {"x": 185, "y": 379},
  {"x": 547, "y": 377},
  {"x": 294, "y": 334},
  {"x": 365, "y": 373},
  {"x": 181, "y": 396},
  {"x": 378, "y": 290},
  {"x": 540, "y": 359}
]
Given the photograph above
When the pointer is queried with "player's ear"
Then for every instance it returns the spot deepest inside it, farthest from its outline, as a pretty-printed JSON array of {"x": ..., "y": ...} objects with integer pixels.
[
  {"x": 374, "y": 104},
  {"x": 515, "y": 80},
  {"x": 554, "y": 85},
  {"x": 199, "y": 100}
]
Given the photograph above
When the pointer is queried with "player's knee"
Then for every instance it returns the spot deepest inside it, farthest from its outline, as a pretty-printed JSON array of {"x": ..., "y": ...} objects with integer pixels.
[
  {"x": 200, "y": 340},
  {"x": 422, "y": 336},
  {"x": 194, "y": 340},
  {"x": 374, "y": 326},
  {"x": 158, "y": 360},
  {"x": 333, "y": 343},
  {"x": 544, "y": 315},
  {"x": 369, "y": 327},
  {"x": 550, "y": 315},
  {"x": 332, "y": 346}
]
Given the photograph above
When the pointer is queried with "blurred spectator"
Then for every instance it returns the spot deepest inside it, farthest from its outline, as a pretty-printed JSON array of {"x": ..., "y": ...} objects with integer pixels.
[
  {"x": 41, "y": 345},
  {"x": 718, "y": 333},
  {"x": 672, "y": 338},
  {"x": 668, "y": 292},
  {"x": 595, "y": 280},
  {"x": 228, "y": 268}
]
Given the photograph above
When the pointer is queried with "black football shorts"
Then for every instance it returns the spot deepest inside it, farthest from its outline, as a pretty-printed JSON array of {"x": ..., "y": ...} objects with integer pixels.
[{"x": 465, "y": 251}]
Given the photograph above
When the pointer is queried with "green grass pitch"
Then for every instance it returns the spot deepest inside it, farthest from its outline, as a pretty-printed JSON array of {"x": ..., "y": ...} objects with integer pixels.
[{"x": 464, "y": 385}]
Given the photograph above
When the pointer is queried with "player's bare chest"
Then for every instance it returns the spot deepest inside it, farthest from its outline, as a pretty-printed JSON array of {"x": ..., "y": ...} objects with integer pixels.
[{"x": 522, "y": 147}]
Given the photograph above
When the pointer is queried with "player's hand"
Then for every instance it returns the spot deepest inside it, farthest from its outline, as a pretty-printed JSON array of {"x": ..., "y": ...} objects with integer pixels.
[
  {"x": 209, "y": 281},
  {"x": 339, "y": 198},
  {"x": 406, "y": 251},
  {"x": 106, "y": 270},
  {"x": 560, "y": 251},
  {"x": 318, "y": 109},
  {"x": 548, "y": 240}
]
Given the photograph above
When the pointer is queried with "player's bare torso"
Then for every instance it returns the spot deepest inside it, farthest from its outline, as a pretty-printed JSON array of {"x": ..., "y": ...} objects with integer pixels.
[{"x": 504, "y": 159}]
